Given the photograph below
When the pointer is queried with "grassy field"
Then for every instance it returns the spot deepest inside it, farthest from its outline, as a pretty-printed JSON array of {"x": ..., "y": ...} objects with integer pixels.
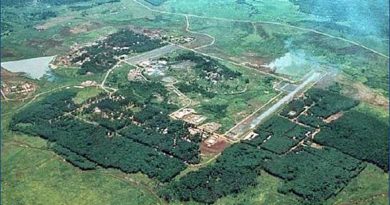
[
  {"x": 280, "y": 10},
  {"x": 119, "y": 75},
  {"x": 86, "y": 93},
  {"x": 33, "y": 175},
  {"x": 370, "y": 187},
  {"x": 324, "y": 16},
  {"x": 264, "y": 193}
]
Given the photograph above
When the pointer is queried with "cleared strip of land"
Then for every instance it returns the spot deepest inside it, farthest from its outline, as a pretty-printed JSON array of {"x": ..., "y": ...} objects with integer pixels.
[
  {"x": 152, "y": 54},
  {"x": 258, "y": 117}
]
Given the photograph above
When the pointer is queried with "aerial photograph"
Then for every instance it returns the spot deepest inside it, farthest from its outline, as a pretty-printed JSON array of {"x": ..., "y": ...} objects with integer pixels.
[{"x": 191, "y": 102}]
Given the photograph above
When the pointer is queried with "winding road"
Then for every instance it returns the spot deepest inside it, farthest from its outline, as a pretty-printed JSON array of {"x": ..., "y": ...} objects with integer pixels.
[{"x": 186, "y": 15}]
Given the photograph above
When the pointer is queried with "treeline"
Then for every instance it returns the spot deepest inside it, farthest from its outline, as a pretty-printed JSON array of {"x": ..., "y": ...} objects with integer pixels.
[
  {"x": 311, "y": 120},
  {"x": 328, "y": 103},
  {"x": 208, "y": 68},
  {"x": 354, "y": 133},
  {"x": 321, "y": 105},
  {"x": 45, "y": 110},
  {"x": 101, "y": 56},
  {"x": 293, "y": 109},
  {"x": 74, "y": 158},
  {"x": 359, "y": 135},
  {"x": 42, "y": 15},
  {"x": 314, "y": 174},
  {"x": 234, "y": 171},
  {"x": 116, "y": 115},
  {"x": 72, "y": 3},
  {"x": 92, "y": 142},
  {"x": 134, "y": 114},
  {"x": 141, "y": 93},
  {"x": 176, "y": 146},
  {"x": 279, "y": 135},
  {"x": 148, "y": 141}
]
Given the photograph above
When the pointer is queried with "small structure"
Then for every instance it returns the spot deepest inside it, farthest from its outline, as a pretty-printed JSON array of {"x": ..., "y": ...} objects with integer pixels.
[
  {"x": 181, "y": 113},
  {"x": 97, "y": 110},
  {"x": 134, "y": 75},
  {"x": 194, "y": 119},
  {"x": 154, "y": 67},
  {"x": 144, "y": 64},
  {"x": 194, "y": 131},
  {"x": 250, "y": 136},
  {"x": 89, "y": 83},
  {"x": 19, "y": 88},
  {"x": 292, "y": 113},
  {"x": 213, "y": 139}
]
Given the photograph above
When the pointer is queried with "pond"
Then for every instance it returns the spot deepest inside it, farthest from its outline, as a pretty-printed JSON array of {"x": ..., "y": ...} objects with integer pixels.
[{"x": 35, "y": 68}]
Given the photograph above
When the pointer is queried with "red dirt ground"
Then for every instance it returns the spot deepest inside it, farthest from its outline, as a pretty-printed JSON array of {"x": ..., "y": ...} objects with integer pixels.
[{"x": 216, "y": 148}]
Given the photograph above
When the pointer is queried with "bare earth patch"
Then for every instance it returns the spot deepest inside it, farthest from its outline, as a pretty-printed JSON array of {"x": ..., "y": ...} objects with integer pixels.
[
  {"x": 216, "y": 148},
  {"x": 365, "y": 94},
  {"x": 333, "y": 117}
]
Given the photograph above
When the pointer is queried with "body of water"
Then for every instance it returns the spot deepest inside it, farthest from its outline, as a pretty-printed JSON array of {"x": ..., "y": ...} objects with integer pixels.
[{"x": 35, "y": 68}]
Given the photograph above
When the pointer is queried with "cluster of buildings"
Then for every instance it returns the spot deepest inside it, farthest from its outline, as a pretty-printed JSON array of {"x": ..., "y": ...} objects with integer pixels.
[
  {"x": 207, "y": 130},
  {"x": 158, "y": 34},
  {"x": 135, "y": 75},
  {"x": 154, "y": 67},
  {"x": 20, "y": 88},
  {"x": 188, "y": 115},
  {"x": 66, "y": 60}
]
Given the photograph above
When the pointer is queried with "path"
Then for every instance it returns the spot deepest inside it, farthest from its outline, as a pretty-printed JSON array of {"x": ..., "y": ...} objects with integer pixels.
[
  {"x": 194, "y": 32},
  {"x": 265, "y": 22},
  {"x": 207, "y": 162},
  {"x": 102, "y": 85},
  {"x": 4, "y": 96},
  {"x": 35, "y": 97}
]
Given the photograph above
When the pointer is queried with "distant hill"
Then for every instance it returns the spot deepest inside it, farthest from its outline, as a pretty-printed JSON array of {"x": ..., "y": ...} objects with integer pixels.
[{"x": 364, "y": 16}]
